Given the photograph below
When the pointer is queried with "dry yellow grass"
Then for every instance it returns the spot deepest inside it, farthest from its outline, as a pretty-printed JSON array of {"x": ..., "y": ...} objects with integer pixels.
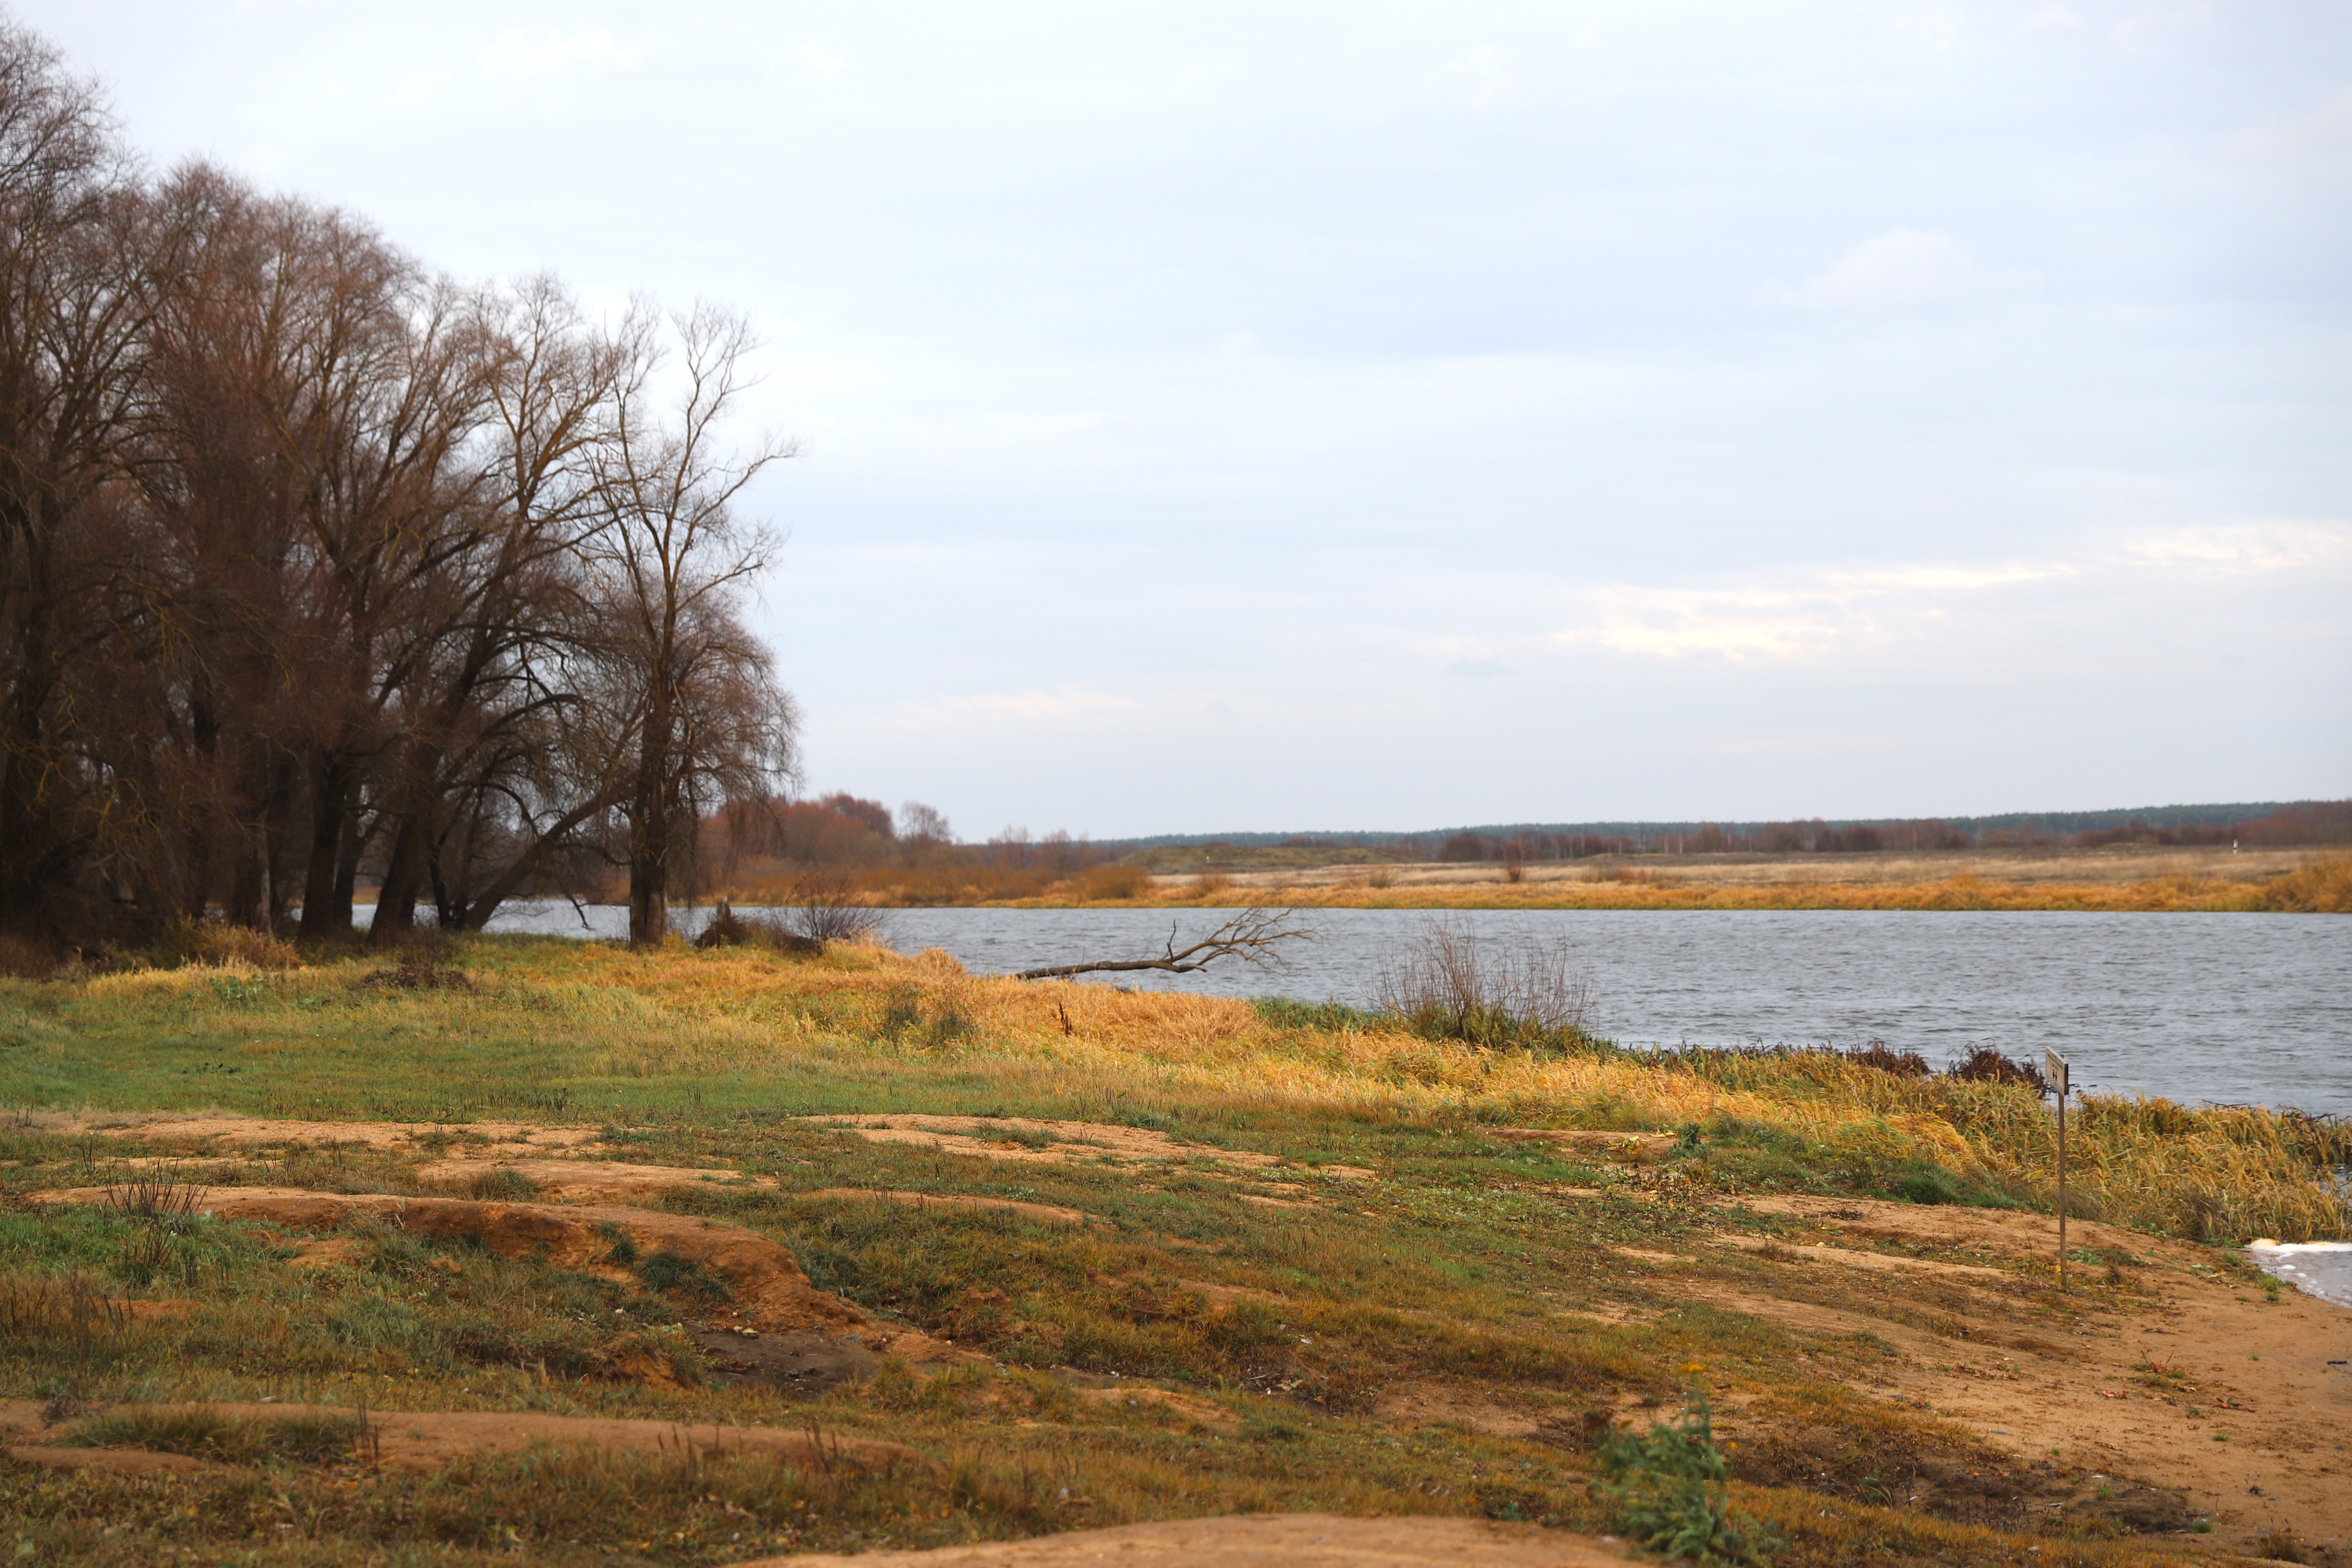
[
  {"x": 2322, "y": 887},
  {"x": 2219, "y": 1174}
]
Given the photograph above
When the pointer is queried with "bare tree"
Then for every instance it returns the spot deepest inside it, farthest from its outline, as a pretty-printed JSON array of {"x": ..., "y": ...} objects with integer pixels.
[
  {"x": 698, "y": 712},
  {"x": 482, "y": 737},
  {"x": 923, "y": 825},
  {"x": 78, "y": 269},
  {"x": 313, "y": 563},
  {"x": 1451, "y": 983},
  {"x": 1254, "y": 936}
]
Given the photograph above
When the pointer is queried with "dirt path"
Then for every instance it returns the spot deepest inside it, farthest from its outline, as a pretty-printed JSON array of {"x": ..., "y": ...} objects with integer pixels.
[
  {"x": 1261, "y": 1540},
  {"x": 1024, "y": 1140},
  {"x": 228, "y": 1127},
  {"x": 2184, "y": 1375}
]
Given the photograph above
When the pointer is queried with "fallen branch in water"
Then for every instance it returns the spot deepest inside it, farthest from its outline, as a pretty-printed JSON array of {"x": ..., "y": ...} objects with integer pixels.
[{"x": 1250, "y": 935}]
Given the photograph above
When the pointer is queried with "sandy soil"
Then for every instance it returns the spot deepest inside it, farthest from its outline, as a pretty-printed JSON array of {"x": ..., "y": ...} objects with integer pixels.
[
  {"x": 1261, "y": 1540},
  {"x": 112, "y": 1461},
  {"x": 421, "y": 1440},
  {"x": 583, "y": 1181},
  {"x": 2256, "y": 1430},
  {"x": 230, "y": 1127},
  {"x": 1021, "y": 1139}
]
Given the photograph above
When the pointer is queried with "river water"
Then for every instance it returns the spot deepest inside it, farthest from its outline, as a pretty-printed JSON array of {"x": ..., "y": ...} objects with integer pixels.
[{"x": 2222, "y": 1008}]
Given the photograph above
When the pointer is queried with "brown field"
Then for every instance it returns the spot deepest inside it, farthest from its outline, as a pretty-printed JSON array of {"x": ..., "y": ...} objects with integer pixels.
[{"x": 2120, "y": 878}]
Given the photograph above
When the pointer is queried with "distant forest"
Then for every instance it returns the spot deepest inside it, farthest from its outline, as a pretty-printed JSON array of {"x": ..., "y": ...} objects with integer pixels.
[
  {"x": 2265, "y": 823},
  {"x": 779, "y": 851}
]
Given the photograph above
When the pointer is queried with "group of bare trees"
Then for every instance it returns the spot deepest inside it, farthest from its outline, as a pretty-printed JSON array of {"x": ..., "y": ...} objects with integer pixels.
[{"x": 318, "y": 567}]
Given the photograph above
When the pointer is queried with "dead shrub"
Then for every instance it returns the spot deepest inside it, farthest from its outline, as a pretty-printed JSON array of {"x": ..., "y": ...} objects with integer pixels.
[
  {"x": 1450, "y": 985},
  {"x": 221, "y": 945},
  {"x": 29, "y": 960},
  {"x": 1886, "y": 1060},
  {"x": 1985, "y": 1065},
  {"x": 825, "y": 908},
  {"x": 71, "y": 1316},
  {"x": 728, "y": 929}
]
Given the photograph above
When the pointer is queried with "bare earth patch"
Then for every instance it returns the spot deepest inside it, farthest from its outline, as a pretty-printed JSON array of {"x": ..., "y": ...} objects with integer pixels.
[
  {"x": 108, "y": 1461},
  {"x": 227, "y": 1127},
  {"x": 583, "y": 1181},
  {"x": 2263, "y": 1399},
  {"x": 1190, "y": 1407},
  {"x": 769, "y": 1290},
  {"x": 1432, "y": 1403},
  {"x": 1043, "y": 1142},
  {"x": 1261, "y": 1540},
  {"x": 1879, "y": 1262},
  {"x": 1615, "y": 1145}
]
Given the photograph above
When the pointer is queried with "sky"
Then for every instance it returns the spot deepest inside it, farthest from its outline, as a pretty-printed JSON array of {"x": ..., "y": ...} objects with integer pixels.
[{"x": 1290, "y": 417}]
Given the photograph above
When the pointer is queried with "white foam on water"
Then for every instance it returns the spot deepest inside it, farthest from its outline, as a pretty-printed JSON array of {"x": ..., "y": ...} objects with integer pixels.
[{"x": 2320, "y": 1269}]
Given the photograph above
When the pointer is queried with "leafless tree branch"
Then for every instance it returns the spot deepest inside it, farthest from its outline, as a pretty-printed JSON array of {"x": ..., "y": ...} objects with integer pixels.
[{"x": 1253, "y": 936}]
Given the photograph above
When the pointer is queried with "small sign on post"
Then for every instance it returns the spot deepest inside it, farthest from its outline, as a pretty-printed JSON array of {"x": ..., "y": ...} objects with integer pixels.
[{"x": 2054, "y": 1067}]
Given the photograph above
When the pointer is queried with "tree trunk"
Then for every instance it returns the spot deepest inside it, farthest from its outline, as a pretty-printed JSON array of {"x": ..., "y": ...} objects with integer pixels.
[
  {"x": 648, "y": 886},
  {"x": 347, "y": 861},
  {"x": 396, "y": 902},
  {"x": 649, "y": 829},
  {"x": 528, "y": 864},
  {"x": 326, "y": 898}
]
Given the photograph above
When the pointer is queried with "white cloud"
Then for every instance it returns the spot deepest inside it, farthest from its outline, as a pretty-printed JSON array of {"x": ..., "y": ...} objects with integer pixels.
[
  {"x": 2326, "y": 128},
  {"x": 1486, "y": 77},
  {"x": 1819, "y": 613},
  {"x": 1902, "y": 269},
  {"x": 2160, "y": 22},
  {"x": 423, "y": 86},
  {"x": 1833, "y": 612},
  {"x": 2271, "y": 546},
  {"x": 815, "y": 61},
  {"x": 2051, "y": 16},
  {"x": 515, "y": 53}
]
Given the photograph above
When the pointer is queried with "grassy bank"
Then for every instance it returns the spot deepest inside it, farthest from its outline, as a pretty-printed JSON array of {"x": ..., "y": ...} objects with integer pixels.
[
  {"x": 556, "y": 1028},
  {"x": 2322, "y": 886},
  {"x": 1385, "y": 1290}
]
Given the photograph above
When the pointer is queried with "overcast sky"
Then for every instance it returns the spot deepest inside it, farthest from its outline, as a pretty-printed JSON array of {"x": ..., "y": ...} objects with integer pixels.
[{"x": 1278, "y": 417}]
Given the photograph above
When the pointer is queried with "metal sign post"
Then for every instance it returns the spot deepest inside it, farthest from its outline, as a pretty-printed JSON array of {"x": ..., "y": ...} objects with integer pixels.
[{"x": 2054, "y": 1069}]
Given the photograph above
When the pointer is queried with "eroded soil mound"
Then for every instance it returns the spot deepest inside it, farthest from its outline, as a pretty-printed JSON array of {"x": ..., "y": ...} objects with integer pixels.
[
  {"x": 1020, "y": 1138},
  {"x": 766, "y": 1286},
  {"x": 583, "y": 1180},
  {"x": 1263, "y": 1541},
  {"x": 228, "y": 1127}
]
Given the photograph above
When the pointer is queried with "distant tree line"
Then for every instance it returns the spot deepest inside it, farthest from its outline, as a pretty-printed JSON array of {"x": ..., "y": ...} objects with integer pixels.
[
  {"x": 318, "y": 568},
  {"x": 845, "y": 847},
  {"x": 2310, "y": 823}
]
